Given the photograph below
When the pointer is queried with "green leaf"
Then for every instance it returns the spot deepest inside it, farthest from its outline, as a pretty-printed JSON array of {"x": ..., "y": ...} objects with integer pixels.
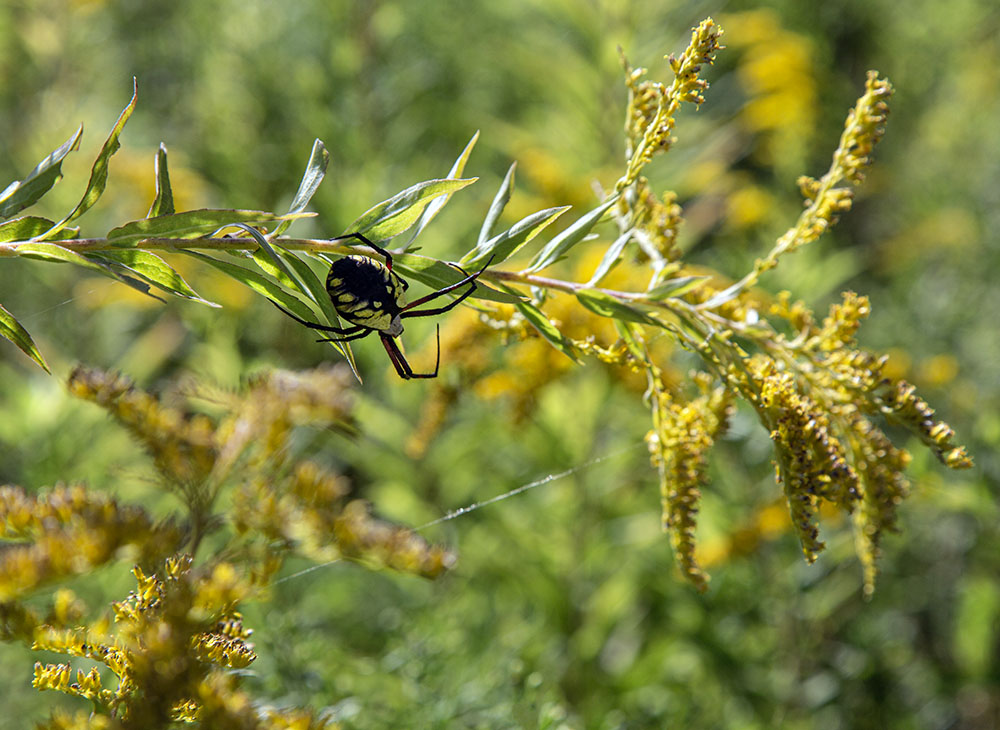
[
  {"x": 22, "y": 193},
  {"x": 189, "y": 224},
  {"x": 437, "y": 275},
  {"x": 116, "y": 272},
  {"x": 630, "y": 335},
  {"x": 269, "y": 261},
  {"x": 54, "y": 252},
  {"x": 12, "y": 330},
  {"x": 537, "y": 319},
  {"x": 260, "y": 284},
  {"x": 676, "y": 287},
  {"x": 316, "y": 290},
  {"x": 500, "y": 201},
  {"x": 319, "y": 159},
  {"x": 726, "y": 295},
  {"x": 163, "y": 202},
  {"x": 23, "y": 228},
  {"x": 99, "y": 172},
  {"x": 504, "y": 245},
  {"x": 393, "y": 216},
  {"x": 611, "y": 257},
  {"x": 605, "y": 305},
  {"x": 571, "y": 236},
  {"x": 150, "y": 267},
  {"x": 435, "y": 206}
]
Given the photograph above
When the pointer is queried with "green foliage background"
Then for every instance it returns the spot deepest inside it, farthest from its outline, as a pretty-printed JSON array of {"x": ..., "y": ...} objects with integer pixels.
[{"x": 565, "y": 610}]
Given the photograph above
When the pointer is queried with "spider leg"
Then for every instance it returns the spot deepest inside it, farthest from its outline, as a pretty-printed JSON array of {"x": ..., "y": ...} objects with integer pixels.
[
  {"x": 403, "y": 368},
  {"x": 357, "y": 336},
  {"x": 365, "y": 240},
  {"x": 469, "y": 279},
  {"x": 320, "y": 327}
]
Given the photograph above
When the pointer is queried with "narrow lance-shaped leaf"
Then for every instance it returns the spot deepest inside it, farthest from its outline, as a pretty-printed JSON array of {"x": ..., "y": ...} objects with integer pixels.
[
  {"x": 571, "y": 236},
  {"x": 54, "y": 252},
  {"x": 395, "y": 215},
  {"x": 150, "y": 267},
  {"x": 537, "y": 319},
  {"x": 23, "y": 228},
  {"x": 257, "y": 282},
  {"x": 504, "y": 245},
  {"x": 12, "y": 330},
  {"x": 500, "y": 201},
  {"x": 611, "y": 257},
  {"x": 437, "y": 275},
  {"x": 435, "y": 206},
  {"x": 99, "y": 172},
  {"x": 22, "y": 193},
  {"x": 190, "y": 224},
  {"x": 726, "y": 295},
  {"x": 605, "y": 305},
  {"x": 318, "y": 293},
  {"x": 676, "y": 286},
  {"x": 163, "y": 202},
  {"x": 319, "y": 159},
  {"x": 270, "y": 262},
  {"x": 315, "y": 290}
]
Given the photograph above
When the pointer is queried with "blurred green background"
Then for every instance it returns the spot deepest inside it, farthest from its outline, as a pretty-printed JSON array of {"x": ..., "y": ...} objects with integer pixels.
[{"x": 565, "y": 609}]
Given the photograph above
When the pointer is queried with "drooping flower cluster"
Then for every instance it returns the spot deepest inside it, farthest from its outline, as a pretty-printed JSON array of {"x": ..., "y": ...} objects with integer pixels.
[
  {"x": 682, "y": 434},
  {"x": 810, "y": 460},
  {"x": 823, "y": 406}
]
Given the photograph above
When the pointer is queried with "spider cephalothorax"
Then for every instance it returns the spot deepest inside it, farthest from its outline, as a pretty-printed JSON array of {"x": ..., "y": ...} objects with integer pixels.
[{"x": 372, "y": 297}]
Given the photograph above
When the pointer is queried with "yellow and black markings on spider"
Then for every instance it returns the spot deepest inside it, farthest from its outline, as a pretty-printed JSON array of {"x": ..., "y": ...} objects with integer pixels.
[
  {"x": 372, "y": 298},
  {"x": 367, "y": 293}
]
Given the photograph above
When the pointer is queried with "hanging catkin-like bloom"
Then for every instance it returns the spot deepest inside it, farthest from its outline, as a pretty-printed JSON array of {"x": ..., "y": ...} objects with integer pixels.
[{"x": 682, "y": 434}]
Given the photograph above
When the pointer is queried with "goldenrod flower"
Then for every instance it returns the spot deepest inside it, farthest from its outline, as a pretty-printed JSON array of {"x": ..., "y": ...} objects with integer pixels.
[{"x": 682, "y": 434}]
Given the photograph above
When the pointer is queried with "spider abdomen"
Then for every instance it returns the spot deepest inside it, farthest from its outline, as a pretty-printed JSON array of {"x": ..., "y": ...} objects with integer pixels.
[{"x": 365, "y": 292}]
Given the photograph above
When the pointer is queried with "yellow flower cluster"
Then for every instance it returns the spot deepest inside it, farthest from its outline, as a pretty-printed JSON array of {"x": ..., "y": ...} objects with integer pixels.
[
  {"x": 359, "y": 535},
  {"x": 656, "y": 219},
  {"x": 180, "y": 630},
  {"x": 261, "y": 418},
  {"x": 880, "y": 466},
  {"x": 652, "y": 106},
  {"x": 682, "y": 434},
  {"x": 900, "y": 403},
  {"x": 69, "y": 530},
  {"x": 825, "y": 202},
  {"x": 829, "y": 386},
  {"x": 306, "y": 512},
  {"x": 864, "y": 128},
  {"x": 182, "y": 447},
  {"x": 810, "y": 461},
  {"x": 174, "y": 632}
]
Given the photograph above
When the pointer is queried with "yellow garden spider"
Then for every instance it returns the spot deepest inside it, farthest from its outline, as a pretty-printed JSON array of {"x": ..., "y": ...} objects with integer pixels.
[{"x": 372, "y": 297}]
